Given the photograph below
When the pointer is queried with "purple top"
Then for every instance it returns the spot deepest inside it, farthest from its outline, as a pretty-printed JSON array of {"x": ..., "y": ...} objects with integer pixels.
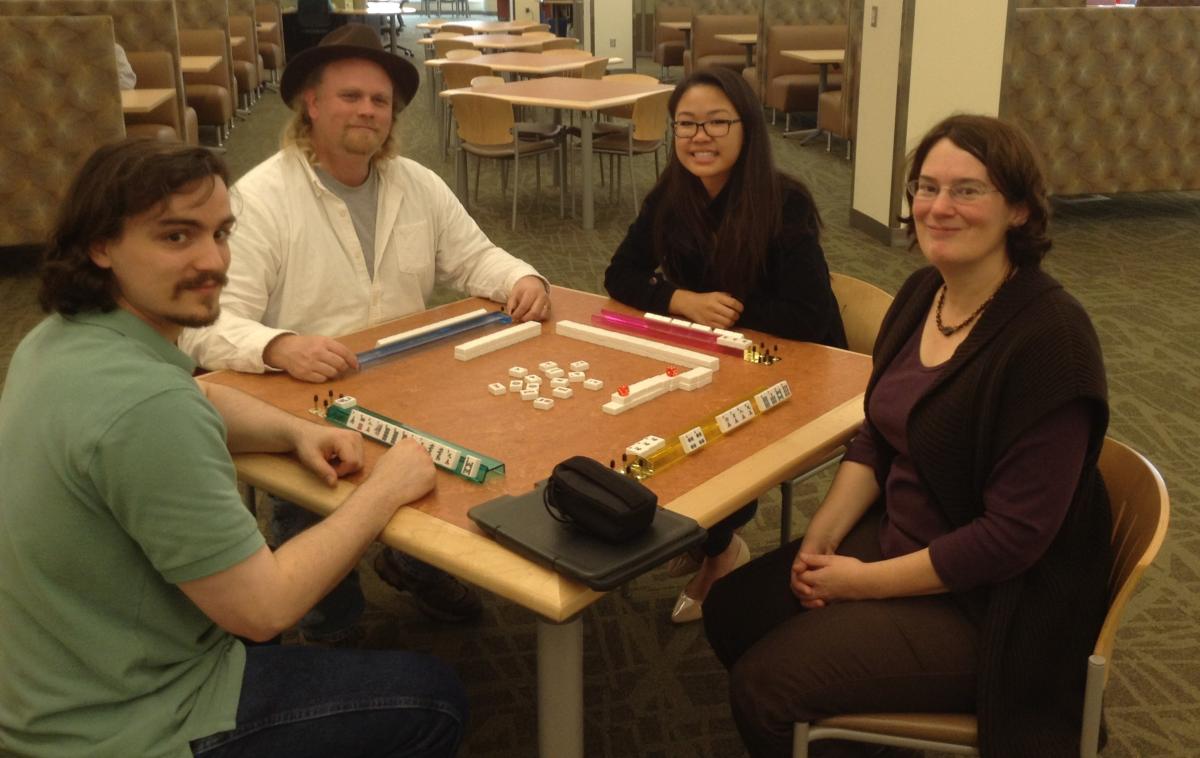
[{"x": 1025, "y": 498}]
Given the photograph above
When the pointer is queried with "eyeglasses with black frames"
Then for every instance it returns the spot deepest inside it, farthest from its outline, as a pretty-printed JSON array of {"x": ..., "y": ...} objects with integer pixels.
[
  {"x": 714, "y": 127},
  {"x": 961, "y": 193}
]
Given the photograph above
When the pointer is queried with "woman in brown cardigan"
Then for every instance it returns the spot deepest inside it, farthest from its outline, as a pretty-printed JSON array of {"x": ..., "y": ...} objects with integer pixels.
[{"x": 959, "y": 561}]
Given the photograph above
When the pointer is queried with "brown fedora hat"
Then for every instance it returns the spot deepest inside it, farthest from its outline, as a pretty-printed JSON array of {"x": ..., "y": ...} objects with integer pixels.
[{"x": 349, "y": 41}]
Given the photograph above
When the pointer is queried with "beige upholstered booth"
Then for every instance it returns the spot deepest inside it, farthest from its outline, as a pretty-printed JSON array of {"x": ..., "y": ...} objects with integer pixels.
[
  {"x": 140, "y": 26},
  {"x": 1108, "y": 96},
  {"x": 48, "y": 131},
  {"x": 669, "y": 44},
  {"x": 210, "y": 93},
  {"x": 247, "y": 67},
  {"x": 270, "y": 40},
  {"x": 791, "y": 85},
  {"x": 707, "y": 50},
  {"x": 204, "y": 30}
]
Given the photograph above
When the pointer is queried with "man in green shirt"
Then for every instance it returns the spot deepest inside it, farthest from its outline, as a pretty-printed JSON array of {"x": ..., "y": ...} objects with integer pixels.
[{"x": 127, "y": 562}]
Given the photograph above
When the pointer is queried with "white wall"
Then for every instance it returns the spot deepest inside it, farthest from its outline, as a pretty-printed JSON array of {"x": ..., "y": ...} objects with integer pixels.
[
  {"x": 613, "y": 30},
  {"x": 876, "y": 128}
]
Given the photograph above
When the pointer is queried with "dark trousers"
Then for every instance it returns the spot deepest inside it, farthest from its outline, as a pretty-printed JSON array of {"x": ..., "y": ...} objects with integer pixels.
[
  {"x": 303, "y": 701},
  {"x": 720, "y": 534},
  {"x": 789, "y": 665}
]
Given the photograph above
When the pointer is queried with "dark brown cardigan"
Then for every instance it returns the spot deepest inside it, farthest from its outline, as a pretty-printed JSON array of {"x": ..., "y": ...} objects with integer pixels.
[{"x": 1032, "y": 351}]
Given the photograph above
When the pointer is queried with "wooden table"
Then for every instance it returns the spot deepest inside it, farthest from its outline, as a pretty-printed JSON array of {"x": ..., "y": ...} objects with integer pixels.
[
  {"x": 747, "y": 41},
  {"x": 433, "y": 392},
  {"x": 144, "y": 100},
  {"x": 235, "y": 40},
  {"x": 198, "y": 64},
  {"x": 680, "y": 26},
  {"x": 481, "y": 25},
  {"x": 561, "y": 93},
  {"x": 525, "y": 64},
  {"x": 502, "y": 42},
  {"x": 822, "y": 59},
  {"x": 265, "y": 26}
]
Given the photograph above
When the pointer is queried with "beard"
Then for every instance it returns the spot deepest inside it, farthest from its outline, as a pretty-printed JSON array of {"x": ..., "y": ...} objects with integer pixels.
[
  {"x": 361, "y": 142},
  {"x": 196, "y": 321}
]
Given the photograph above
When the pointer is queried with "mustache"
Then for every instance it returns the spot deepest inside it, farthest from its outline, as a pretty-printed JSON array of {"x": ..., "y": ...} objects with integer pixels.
[{"x": 202, "y": 280}]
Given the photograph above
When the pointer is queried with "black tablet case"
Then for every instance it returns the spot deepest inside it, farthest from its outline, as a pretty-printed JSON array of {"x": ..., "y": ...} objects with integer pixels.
[{"x": 522, "y": 524}]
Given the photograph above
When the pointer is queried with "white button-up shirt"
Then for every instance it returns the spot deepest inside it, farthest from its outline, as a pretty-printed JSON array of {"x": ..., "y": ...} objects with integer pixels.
[{"x": 297, "y": 265}]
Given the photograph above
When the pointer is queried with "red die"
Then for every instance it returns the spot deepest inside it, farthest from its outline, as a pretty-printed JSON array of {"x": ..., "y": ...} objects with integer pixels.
[
  {"x": 672, "y": 371},
  {"x": 623, "y": 390}
]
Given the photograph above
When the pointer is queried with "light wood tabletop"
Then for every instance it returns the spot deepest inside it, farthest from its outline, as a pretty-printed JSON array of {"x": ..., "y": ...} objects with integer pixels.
[
  {"x": 265, "y": 26},
  {"x": 528, "y": 64},
  {"x": 480, "y": 25},
  {"x": 198, "y": 64},
  {"x": 500, "y": 41},
  {"x": 563, "y": 93},
  {"x": 433, "y": 392},
  {"x": 235, "y": 40},
  {"x": 748, "y": 41},
  {"x": 144, "y": 100},
  {"x": 822, "y": 59}
]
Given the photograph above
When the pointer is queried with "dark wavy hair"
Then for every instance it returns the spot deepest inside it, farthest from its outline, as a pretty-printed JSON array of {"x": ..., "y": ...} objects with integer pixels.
[
  {"x": 753, "y": 197},
  {"x": 117, "y": 182},
  {"x": 1013, "y": 166}
]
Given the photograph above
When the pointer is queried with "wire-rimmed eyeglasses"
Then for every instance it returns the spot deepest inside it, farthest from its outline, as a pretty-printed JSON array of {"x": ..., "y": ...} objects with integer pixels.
[
  {"x": 963, "y": 193},
  {"x": 714, "y": 127}
]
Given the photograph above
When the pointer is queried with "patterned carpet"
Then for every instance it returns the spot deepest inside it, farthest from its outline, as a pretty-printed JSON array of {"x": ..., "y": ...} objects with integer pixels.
[{"x": 655, "y": 690}]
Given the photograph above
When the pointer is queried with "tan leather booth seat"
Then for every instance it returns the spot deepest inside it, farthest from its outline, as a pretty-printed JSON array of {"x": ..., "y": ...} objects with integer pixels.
[
  {"x": 791, "y": 85},
  {"x": 208, "y": 93},
  {"x": 709, "y": 51},
  {"x": 669, "y": 44},
  {"x": 270, "y": 43},
  {"x": 245, "y": 57},
  {"x": 155, "y": 69}
]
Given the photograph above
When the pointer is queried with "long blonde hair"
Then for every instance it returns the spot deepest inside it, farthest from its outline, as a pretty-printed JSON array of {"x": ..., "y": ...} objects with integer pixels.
[{"x": 298, "y": 131}]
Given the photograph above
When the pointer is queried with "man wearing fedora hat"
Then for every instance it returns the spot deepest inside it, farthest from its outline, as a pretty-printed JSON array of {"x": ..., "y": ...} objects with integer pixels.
[{"x": 336, "y": 233}]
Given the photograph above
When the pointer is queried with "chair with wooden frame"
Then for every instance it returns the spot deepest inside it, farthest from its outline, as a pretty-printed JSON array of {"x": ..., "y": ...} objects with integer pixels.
[
  {"x": 457, "y": 75},
  {"x": 484, "y": 81},
  {"x": 560, "y": 43},
  {"x": 487, "y": 129},
  {"x": 457, "y": 29},
  {"x": 443, "y": 45},
  {"x": 1141, "y": 510},
  {"x": 646, "y": 134},
  {"x": 862, "y": 306}
]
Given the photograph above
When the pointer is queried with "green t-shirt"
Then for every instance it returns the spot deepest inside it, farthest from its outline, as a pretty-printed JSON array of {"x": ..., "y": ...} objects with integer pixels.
[{"x": 117, "y": 486}]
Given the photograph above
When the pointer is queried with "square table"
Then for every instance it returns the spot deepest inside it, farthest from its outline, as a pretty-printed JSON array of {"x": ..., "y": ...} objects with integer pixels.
[
  {"x": 562, "y": 93},
  {"x": 822, "y": 59},
  {"x": 436, "y": 394},
  {"x": 198, "y": 64},
  {"x": 748, "y": 41},
  {"x": 144, "y": 100}
]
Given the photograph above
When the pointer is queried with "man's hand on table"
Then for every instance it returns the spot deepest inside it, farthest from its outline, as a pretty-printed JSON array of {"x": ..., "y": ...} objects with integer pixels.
[
  {"x": 529, "y": 300},
  {"x": 309, "y": 358},
  {"x": 328, "y": 452},
  {"x": 404, "y": 473}
]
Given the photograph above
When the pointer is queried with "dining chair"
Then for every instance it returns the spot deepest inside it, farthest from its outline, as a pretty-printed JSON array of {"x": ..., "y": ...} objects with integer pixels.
[
  {"x": 270, "y": 43},
  {"x": 484, "y": 81},
  {"x": 644, "y": 135},
  {"x": 457, "y": 75},
  {"x": 862, "y": 306},
  {"x": 443, "y": 45},
  {"x": 560, "y": 43},
  {"x": 457, "y": 29},
  {"x": 487, "y": 129},
  {"x": 463, "y": 54},
  {"x": 1141, "y": 511}
]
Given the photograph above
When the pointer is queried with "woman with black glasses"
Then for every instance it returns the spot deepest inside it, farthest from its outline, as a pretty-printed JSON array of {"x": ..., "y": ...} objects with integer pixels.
[{"x": 725, "y": 240}]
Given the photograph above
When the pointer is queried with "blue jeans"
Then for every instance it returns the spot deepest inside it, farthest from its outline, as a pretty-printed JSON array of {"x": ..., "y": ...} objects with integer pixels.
[{"x": 303, "y": 701}]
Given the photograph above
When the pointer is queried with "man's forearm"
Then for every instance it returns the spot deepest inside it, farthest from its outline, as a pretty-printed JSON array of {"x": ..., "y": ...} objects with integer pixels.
[{"x": 253, "y": 426}]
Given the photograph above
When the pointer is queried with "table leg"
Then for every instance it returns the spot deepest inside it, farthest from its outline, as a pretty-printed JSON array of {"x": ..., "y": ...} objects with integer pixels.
[
  {"x": 585, "y": 174},
  {"x": 811, "y": 134},
  {"x": 749, "y": 56},
  {"x": 560, "y": 689}
]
